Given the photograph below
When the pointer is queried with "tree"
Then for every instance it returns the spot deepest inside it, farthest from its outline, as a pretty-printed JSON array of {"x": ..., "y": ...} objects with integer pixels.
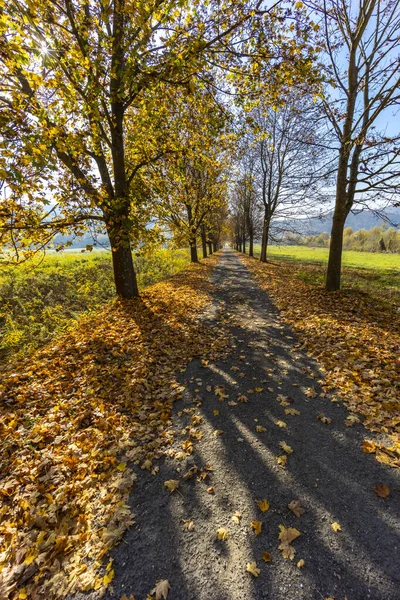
[
  {"x": 362, "y": 42},
  {"x": 188, "y": 184},
  {"x": 73, "y": 73}
]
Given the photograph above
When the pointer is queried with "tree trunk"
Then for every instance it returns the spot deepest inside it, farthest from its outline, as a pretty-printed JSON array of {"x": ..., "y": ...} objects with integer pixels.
[
  {"x": 193, "y": 252},
  {"x": 264, "y": 241},
  {"x": 244, "y": 244},
  {"x": 204, "y": 241},
  {"x": 124, "y": 272},
  {"x": 251, "y": 253},
  {"x": 333, "y": 274},
  {"x": 215, "y": 247},
  {"x": 209, "y": 248}
]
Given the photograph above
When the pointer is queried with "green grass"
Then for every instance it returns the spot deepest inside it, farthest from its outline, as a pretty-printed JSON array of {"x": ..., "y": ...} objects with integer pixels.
[
  {"x": 38, "y": 299},
  {"x": 374, "y": 273}
]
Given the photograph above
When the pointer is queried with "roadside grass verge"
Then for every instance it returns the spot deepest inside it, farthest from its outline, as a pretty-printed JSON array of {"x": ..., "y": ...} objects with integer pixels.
[
  {"x": 354, "y": 334},
  {"x": 38, "y": 301},
  {"x": 377, "y": 274}
]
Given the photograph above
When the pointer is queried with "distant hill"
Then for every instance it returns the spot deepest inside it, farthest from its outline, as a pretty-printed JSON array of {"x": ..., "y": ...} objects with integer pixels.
[
  {"x": 357, "y": 220},
  {"x": 85, "y": 240}
]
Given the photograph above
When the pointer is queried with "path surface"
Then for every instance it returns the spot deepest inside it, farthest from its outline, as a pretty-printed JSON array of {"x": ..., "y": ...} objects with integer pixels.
[{"x": 327, "y": 472}]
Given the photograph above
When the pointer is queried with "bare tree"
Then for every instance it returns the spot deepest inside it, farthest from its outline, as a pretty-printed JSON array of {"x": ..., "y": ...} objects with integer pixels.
[
  {"x": 286, "y": 155},
  {"x": 362, "y": 42}
]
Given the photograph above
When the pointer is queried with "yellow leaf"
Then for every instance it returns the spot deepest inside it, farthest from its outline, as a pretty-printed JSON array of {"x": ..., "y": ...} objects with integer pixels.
[
  {"x": 30, "y": 556},
  {"x": 263, "y": 505},
  {"x": 222, "y": 534},
  {"x": 216, "y": 413},
  {"x": 108, "y": 577},
  {"x": 22, "y": 594},
  {"x": 242, "y": 398},
  {"x": 369, "y": 446},
  {"x": 336, "y": 527},
  {"x": 298, "y": 5},
  {"x": 259, "y": 389},
  {"x": 301, "y": 563},
  {"x": 260, "y": 429},
  {"x": 236, "y": 518},
  {"x": 121, "y": 467},
  {"x": 257, "y": 526},
  {"x": 291, "y": 411},
  {"x": 252, "y": 568},
  {"x": 171, "y": 484},
  {"x": 281, "y": 460},
  {"x": 281, "y": 423},
  {"x": 286, "y": 448}
]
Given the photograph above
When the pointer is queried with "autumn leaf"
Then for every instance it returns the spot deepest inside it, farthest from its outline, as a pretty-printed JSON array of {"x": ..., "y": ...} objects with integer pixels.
[
  {"x": 237, "y": 517},
  {"x": 296, "y": 508},
  {"x": 188, "y": 525},
  {"x": 324, "y": 419},
  {"x": 285, "y": 447},
  {"x": 211, "y": 490},
  {"x": 242, "y": 398},
  {"x": 382, "y": 490},
  {"x": 216, "y": 412},
  {"x": 258, "y": 389},
  {"x": 108, "y": 577},
  {"x": 171, "y": 485},
  {"x": 287, "y": 536},
  {"x": 281, "y": 423},
  {"x": 217, "y": 432},
  {"x": 260, "y": 429},
  {"x": 300, "y": 564},
  {"x": 369, "y": 446},
  {"x": 190, "y": 473},
  {"x": 252, "y": 568},
  {"x": 263, "y": 505},
  {"x": 222, "y": 534},
  {"x": 266, "y": 556},
  {"x": 161, "y": 590},
  {"x": 336, "y": 527},
  {"x": 256, "y": 526},
  {"x": 291, "y": 411},
  {"x": 281, "y": 460}
]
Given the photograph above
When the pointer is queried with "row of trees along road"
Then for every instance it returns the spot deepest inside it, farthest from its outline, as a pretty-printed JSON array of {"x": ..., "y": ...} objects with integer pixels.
[
  {"x": 345, "y": 141},
  {"x": 90, "y": 95}
]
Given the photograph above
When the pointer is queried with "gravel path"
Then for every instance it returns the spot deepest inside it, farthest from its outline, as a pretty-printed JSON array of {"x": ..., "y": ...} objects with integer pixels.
[{"x": 327, "y": 472}]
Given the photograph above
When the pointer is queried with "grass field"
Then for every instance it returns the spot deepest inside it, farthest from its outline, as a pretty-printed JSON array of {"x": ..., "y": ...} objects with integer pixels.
[
  {"x": 375, "y": 273},
  {"x": 38, "y": 299}
]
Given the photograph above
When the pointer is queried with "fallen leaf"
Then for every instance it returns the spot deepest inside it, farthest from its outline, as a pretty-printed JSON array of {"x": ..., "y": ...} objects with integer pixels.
[
  {"x": 256, "y": 526},
  {"x": 324, "y": 419},
  {"x": 301, "y": 564},
  {"x": 191, "y": 473},
  {"x": 242, "y": 398},
  {"x": 171, "y": 485},
  {"x": 382, "y": 490},
  {"x": 211, "y": 490},
  {"x": 222, "y": 534},
  {"x": 263, "y": 505},
  {"x": 286, "y": 536},
  {"x": 291, "y": 411},
  {"x": 108, "y": 577},
  {"x": 237, "y": 517},
  {"x": 369, "y": 446},
  {"x": 252, "y": 568},
  {"x": 286, "y": 448},
  {"x": 336, "y": 527},
  {"x": 281, "y": 460},
  {"x": 188, "y": 525},
  {"x": 217, "y": 432},
  {"x": 161, "y": 590},
  {"x": 281, "y": 423},
  {"x": 296, "y": 508},
  {"x": 259, "y": 389},
  {"x": 266, "y": 557},
  {"x": 215, "y": 413},
  {"x": 260, "y": 429}
]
